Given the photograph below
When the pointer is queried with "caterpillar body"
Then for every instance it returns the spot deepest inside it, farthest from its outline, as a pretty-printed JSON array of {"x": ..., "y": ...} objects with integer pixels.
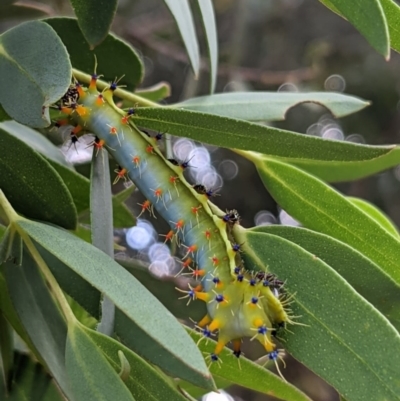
[{"x": 240, "y": 303}]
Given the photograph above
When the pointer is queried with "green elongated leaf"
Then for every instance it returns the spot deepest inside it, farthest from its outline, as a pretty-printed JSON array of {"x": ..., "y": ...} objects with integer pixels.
[
  {"x": 31, "y": 382},
  {"x": 90, "y": 375},
  {"x": 144, "y": 382},
  {"x": 6, "y": 352},
  {"x": 392, "y": 13},
  {"x": 101, "y": 220},
  {"x": 72, "y": 283},
  {"x": 39, "y": 315},
  {"x": 166, "y": 341},
  {"x": 210, "y": 29},
  {"x": 272, "y": 106},
  {"x": 39, "y": 74},
  {"x": 342, "y": 332},
  {"x": 36, "y": 141},
  {"x": 362, "y": 274},
  {"x": 112, "y": 48},
  {"x": 335, "y": 170},
  {"x": 368, "y": 18},
  {"x": 321, "y": 208},
  {"x": 180, "y": 10},
  {"x": 101, "y": 206},
  {"x": 32, "y": 186},
  {"x": 94, "y": 18},
  {"x": 228, "y": 132},
  {"x": 251, "y": 375},
  {"x": 156, "y": 92},
  {"x": 11, "y": 315},
  {"x": 376, "y": 214}
]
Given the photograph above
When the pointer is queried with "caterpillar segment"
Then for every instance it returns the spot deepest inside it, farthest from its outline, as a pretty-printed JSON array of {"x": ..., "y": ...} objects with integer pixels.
[{"x": 239, "y": 303}]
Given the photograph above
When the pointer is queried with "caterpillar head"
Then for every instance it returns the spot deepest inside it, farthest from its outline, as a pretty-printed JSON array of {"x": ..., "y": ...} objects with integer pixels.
[{"x": 243, "y": 307}]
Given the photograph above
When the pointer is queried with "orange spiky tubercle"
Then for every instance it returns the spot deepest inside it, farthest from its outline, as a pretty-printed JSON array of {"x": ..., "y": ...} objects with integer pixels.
[{"x": 238, "y": 303}]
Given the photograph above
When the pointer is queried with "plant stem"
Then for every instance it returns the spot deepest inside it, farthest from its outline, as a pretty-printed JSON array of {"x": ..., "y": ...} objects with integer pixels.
[
  {"x": 6, "y": 207},
  {"x": 13, "y": 218},
  {"x": 121, "y": 93},
  {"x": 54, "y": 287}
]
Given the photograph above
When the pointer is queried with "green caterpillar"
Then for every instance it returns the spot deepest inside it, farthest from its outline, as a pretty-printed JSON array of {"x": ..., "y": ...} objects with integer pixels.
[{"x": 240, "y": 303}]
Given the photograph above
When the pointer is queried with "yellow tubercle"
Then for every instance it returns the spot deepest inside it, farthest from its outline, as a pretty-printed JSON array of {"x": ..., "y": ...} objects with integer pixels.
[
  {"x": 82, "y": 110},
  {"x": 81, "y": 92},
  {"x": 220, "y": 344},
  {"x": 204, "y": 321},
  {"x": 203, "y": 296},
  {"x": 216, "y": 324},
  {"x": 93, "y": 85}
]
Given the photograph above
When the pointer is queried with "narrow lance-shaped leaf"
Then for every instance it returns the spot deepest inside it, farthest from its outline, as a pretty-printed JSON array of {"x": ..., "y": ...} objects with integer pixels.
[
  {"x": 39, "y": 315},
  {"x": 232, "y": 133},
  {"x": 182, "y": 14},
  {"x": 90, "y": 375},
  {"x": 392, "y": 13},
  {"x": 270, "y": 106},
  {"x": 165, "y": 337},
  {"x": 338, "y": 170},
  {"x": 339, "y": 330},
  {"x": 366, "y": 277},
  {"x": 208, "y": 18},
  {"x": 101, "y": 220},
  {"x": 321, "y": 208},
  {"x": 72, "y": 283},
  {"x": 12, "y": 317},
  {"x": 376, "y": 214},
  {"x": 368, "y": 17}
]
